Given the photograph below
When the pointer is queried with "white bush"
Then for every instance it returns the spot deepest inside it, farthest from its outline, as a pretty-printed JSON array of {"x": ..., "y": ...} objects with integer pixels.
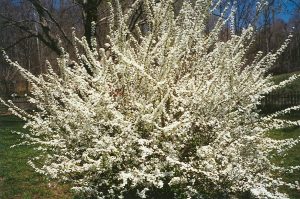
[{"x": 171, "y": 113}]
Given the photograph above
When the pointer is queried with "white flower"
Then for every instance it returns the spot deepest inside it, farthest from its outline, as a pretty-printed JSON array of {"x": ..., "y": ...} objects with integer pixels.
[{"x": 167, "y": 104}]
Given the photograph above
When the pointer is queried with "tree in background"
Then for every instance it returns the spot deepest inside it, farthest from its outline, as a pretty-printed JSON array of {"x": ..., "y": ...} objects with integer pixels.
[
  {"x": 40, "y": 27},
  {"x": 7, "y": 76},
  {"x": 170, "y": 110}
]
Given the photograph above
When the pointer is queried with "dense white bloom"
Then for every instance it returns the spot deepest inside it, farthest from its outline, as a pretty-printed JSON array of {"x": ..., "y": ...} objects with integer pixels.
[{"x": 169, "y": 112}]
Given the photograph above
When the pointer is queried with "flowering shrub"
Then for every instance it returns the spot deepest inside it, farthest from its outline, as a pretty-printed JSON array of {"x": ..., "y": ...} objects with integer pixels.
[{"x": 168, "y": 112}]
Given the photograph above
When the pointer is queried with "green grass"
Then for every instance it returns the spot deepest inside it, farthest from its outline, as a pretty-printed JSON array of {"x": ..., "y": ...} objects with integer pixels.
[
  {"x": 17, "y": 178},
  {"x": 291, "y": 159},
  {"x": 292, "y": 87},
  {"x": 293, "y": 156}
]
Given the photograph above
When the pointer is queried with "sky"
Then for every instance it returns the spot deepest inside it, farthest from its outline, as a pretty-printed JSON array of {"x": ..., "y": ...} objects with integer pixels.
[{"x": 288, "y": 9}]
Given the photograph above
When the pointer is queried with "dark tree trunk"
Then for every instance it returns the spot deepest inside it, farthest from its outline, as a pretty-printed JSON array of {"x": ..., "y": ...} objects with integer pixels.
[{"x": 90, "y": 15}]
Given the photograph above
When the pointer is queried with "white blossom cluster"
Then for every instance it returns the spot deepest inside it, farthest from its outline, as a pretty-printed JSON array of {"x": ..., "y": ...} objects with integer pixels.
[{"x": 171, "y": 110}]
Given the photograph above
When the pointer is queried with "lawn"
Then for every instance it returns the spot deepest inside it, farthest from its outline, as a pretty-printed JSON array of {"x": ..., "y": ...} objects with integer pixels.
[
  {"x": 292, "y": 87},
  {"x": 17, "y": 178},
  {"x": 291, "y": 159},
  {"x": 293, "y": 156}
]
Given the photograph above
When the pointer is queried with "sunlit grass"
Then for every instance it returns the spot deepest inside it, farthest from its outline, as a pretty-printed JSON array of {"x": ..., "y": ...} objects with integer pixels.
[
  {"x": 17, "y": 178},
  {"x": 292, "y": 87},
  {"x": 292, "y": 158}
]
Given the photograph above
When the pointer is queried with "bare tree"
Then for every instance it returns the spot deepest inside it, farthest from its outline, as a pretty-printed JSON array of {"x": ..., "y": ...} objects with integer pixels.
[
  {"x": 34, "y": 30},
  {"x": 7, "y": 75}
]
